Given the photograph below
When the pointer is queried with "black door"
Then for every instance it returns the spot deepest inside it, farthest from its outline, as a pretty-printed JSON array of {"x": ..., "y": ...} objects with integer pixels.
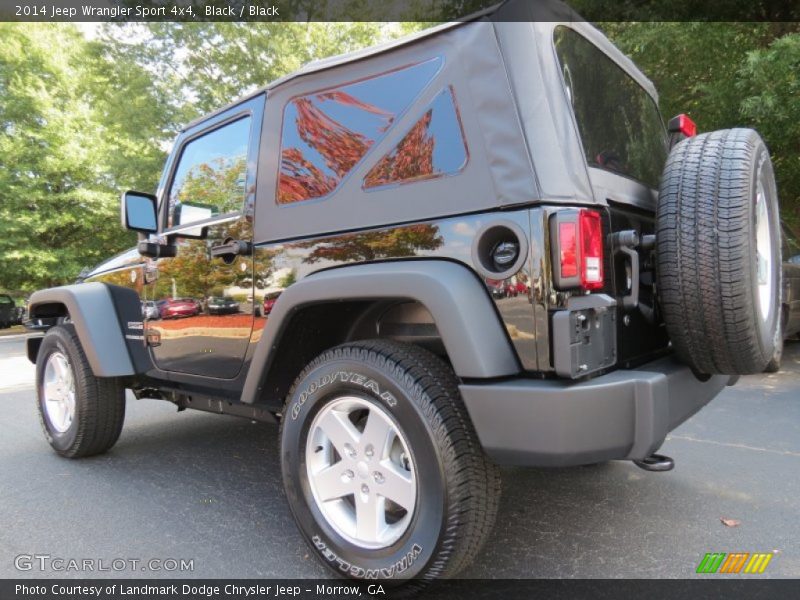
[{"x": 204, "y": 295}]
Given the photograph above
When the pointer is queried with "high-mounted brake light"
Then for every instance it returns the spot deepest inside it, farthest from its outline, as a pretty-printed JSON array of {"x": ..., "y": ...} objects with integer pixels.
[
  {"x": 682, "y": 124},
  {"x": 577, "y": 249},
  {"x": 591, "y": 240}
]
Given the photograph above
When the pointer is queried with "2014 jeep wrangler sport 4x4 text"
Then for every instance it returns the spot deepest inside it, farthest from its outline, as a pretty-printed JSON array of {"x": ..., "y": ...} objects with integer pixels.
[{"x": 476, "y": 246}]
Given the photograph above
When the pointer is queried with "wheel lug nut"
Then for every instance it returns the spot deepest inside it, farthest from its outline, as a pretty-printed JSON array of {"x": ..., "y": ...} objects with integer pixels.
[
  {"x": 348, "y": 474},
  {"x": 405, "y": 461},
  {"x": 369, "y": 451},
  {"x": 351, "y": 452},
  {"x": 364, "y": 489},
  {"x": 378, "y": 477}
]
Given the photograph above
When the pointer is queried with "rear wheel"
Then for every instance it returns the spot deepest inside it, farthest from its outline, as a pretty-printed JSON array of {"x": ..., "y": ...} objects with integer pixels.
[
  {"x": 81, "y": 414},
  {"x": 718, "y": 246},
  {"x": 381, "y": 465}
]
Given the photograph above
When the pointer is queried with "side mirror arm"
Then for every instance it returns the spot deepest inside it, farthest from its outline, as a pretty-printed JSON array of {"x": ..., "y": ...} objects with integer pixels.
[{"x": 156, "y": 250}]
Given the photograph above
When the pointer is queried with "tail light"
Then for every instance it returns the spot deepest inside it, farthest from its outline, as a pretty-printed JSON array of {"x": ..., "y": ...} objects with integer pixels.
[
  {"x": 568, "y": 249},
  {"x": 577, "y": 245},
  {"x": 591, "y": 241}
]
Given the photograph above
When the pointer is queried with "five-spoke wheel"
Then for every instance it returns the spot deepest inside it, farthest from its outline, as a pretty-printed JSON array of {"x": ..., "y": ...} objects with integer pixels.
[
  {"x": 59, "y": 392},
  {"x": 361, "y": 472}
]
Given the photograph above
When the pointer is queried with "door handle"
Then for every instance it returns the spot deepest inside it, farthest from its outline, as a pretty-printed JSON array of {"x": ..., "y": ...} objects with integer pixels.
[{"x": 230, "y": 249}]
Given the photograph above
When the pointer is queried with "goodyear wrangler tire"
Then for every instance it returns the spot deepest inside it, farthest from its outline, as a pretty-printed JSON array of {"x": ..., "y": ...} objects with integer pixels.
[
  {"x": 718, "y": 247},
  {"x": 381, "y": 465},
  {"x": 81, "y": 415}
]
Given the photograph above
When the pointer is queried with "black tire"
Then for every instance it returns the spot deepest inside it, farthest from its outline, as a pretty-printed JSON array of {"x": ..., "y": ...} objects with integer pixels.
[
  {"x": 774, "y": 365},
  {"x": 99, "y": 402},
  {"x": 459, "y": 489},
  {"x": 707, "y": 271}
]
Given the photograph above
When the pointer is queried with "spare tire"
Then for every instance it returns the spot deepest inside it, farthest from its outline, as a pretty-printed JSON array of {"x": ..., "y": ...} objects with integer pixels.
[{"x": 718, "y": 252}]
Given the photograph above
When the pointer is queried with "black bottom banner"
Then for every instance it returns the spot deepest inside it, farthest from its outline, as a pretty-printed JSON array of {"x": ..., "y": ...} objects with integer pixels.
[{"x": 459, "y": 589}]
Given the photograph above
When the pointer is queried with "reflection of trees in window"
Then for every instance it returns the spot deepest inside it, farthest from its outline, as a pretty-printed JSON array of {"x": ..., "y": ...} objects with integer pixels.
[
  {"x": 211, "y": 173},
  {"x": 218, "y": 183},
  {"x": 300, "y": 179},
  {"x": 326, "y": 134},
  {"x": 340, "y": 147},
  {"x": 433, "y": 147},
  {"x": 413, "y": 157},
  {"x": 399, "y": 242}
]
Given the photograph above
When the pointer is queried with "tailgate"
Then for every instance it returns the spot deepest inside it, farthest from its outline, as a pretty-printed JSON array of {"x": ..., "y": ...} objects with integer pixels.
[{"x": 641, "y": 334}]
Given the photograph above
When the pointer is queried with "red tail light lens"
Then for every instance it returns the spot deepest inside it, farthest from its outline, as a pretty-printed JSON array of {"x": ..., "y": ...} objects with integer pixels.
[
  {"x": 568, "y": 244},
  {"x": 591, "y": 244},
  {"x": 577, "y": 249}
]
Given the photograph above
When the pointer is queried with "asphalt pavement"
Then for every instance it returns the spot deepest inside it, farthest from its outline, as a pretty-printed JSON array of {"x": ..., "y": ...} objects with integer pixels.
[{"x": 207, "y": 489}]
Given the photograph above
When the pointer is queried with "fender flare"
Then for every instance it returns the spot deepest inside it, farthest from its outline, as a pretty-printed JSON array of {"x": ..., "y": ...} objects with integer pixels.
[
  {"x": 98, "y": 311},
  {"x": 473, "y": 334}
]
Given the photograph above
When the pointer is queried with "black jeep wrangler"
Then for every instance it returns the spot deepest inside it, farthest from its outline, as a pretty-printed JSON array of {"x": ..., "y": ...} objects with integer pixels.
[{"x": 476, "y": 246}]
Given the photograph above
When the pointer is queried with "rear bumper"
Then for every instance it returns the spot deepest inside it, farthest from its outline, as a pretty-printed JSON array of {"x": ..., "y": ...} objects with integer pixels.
[{"x": 622, "y": 415}]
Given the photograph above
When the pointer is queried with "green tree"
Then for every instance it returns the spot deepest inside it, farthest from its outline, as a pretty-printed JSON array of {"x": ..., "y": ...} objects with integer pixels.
[
  {"x": 207, "y": 65},
  {"x": 71, "y": 137},
  {"x": 769, "y": 88},
  {"x": 727, "y": 75}
]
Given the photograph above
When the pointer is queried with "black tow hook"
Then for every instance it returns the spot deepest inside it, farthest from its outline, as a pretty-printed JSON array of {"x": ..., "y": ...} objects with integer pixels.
[{"x": 656, "y": 462}]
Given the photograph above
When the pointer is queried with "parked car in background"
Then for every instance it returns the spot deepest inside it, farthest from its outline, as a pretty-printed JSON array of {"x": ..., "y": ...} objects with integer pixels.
[
  {"x": 171, "y": 308},
  {"x": 790, "y": 302},
  {"x": 269, "y": 302},
  {"x": 496, "y": 288},
  {"x": 8, "y": 313},
  {"x": 791, "y": 281},
  {"x": 218, "y": 305},
  {"x": 150, "y": 310}
]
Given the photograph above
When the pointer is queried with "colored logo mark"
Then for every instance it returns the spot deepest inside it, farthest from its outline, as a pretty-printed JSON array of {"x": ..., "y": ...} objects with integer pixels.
[{"x": 734, "y": 562}]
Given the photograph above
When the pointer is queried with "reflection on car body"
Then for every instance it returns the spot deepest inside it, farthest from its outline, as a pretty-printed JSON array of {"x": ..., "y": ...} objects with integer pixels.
[
  {"x": 178, "y": 307},
  {"x": 218, "y": 305},
  {"x": 269, "y": 302},
  {"x": 150, "y": 310}
]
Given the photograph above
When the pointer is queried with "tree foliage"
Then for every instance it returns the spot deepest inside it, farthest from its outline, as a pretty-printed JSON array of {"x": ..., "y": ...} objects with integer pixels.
[
  {"x": 728, "y": 75},
  {"x": 76, "y": 126}
]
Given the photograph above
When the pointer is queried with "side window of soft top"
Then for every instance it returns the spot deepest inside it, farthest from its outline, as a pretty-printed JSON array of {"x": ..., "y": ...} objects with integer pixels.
[{"x": 210, "y": 177}]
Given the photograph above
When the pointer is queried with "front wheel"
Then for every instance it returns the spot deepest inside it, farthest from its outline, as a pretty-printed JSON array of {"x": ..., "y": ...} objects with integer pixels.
[
  {"x": 381, "y": 465},
  {"x": 81, "y": 414}
]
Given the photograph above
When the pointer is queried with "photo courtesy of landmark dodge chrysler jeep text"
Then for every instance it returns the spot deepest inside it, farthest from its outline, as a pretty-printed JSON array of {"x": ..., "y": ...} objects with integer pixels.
[{"x": 476, "y": 246}]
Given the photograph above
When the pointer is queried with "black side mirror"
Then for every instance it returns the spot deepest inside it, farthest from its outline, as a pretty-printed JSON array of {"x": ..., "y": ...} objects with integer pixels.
[{"x": 139, "y": 212}]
